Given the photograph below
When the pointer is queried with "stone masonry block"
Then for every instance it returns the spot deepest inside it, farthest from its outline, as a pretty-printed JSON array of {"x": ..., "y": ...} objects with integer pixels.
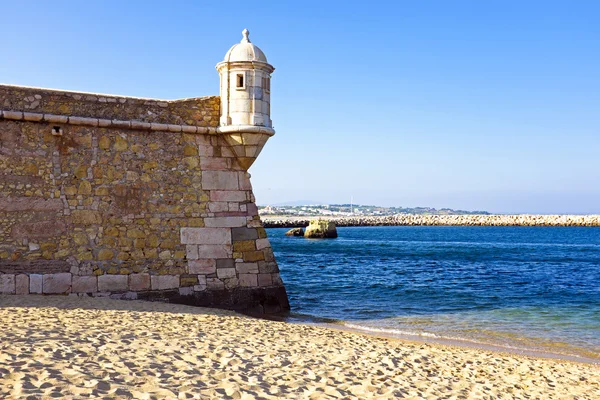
[
  {"x": 225, "y": 222},
  {"x": 244, "y": 245},
  {"x": 112, "y": 283},
  {"x": 220, "y": 180},
  {"x": 218, "y": 206},
  {"x": 247, "y": 268},
  {"x": 265, "y": 280},
  {"x": 213, "y": 163},
  {"x": 205, "y": 235},
  {"x": 214, "y": 251},
  {"x": 164, "y": 282},
  {"x": 56, "y": 283},
  {"x": 248, "y": 280},
  {"x": 244, "y": 181},
  {"x": 239, "y": 234},
  {"x": 253, "y": 256},
  {"x": 191, "y": 251},
  {"x": 262, "y": 244},
  {"x": 226, "y": 263},
  {"x": 225, "y": 273},
  {"x": 35, "y": 284},
  {"x": 201, "y": 286},
  {"x": 252, "y": 210},
  {"x": 277, "y": 279},
  {"x": 267, "y": 267},
  {"x": 205, "y": 151},
  {"x": 7, "y": 284},
  {"x": 204, "y": 267},
  {"x": 21, "y": 284},
  {"x": 84, "y": 284},
  {"x": 139, "y": 282},
  {"x": 186, "y": 291},
  {"x": 228, "y": 195},
  {"x": 215, "y": 284}
]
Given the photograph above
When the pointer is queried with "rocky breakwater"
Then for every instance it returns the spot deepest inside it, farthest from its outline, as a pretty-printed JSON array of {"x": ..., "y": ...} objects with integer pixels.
[{"x": 443, "y": 220}]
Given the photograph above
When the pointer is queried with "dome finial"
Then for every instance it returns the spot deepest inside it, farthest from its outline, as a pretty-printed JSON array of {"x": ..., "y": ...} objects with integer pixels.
[{"x": 245, "y": 34}]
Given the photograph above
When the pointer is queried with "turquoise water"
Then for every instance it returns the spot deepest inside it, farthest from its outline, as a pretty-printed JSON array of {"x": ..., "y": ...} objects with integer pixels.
[{"x": 524, "y": 288}]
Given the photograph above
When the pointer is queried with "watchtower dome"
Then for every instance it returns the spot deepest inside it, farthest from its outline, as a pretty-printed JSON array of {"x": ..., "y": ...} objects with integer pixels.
[{"x": 245, "y": 99}]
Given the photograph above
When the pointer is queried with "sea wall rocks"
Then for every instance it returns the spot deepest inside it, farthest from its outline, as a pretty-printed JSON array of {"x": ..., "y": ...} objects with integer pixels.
[
  {"x": 444, "y": 220},
  {"x": 128, "y": 198}
]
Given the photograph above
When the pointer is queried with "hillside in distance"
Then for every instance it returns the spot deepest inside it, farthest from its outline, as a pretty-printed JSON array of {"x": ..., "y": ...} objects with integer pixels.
[{"x": 357, "y": 209}]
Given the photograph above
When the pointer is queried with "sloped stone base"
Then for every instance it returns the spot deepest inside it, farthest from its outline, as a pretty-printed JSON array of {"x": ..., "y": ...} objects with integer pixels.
[{"x": 269, "y": 300}]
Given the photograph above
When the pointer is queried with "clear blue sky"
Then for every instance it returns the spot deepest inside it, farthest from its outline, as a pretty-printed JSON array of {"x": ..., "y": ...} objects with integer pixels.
[{"x": 491, "y": 105}]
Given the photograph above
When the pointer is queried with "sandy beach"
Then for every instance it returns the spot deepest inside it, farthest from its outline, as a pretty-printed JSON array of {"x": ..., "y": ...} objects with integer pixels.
[{"x": 72, "y": 347}]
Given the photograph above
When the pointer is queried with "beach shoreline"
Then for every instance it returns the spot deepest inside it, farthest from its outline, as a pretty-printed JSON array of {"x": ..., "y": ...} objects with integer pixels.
[
  {"x": 97, "y": 347},
  {"x": 346, "y": 326}
]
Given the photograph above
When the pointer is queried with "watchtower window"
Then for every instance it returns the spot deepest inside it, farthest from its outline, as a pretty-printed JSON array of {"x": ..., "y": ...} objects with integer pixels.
[
  {"x": 239, "y": 81},
  {"x": 266, "y": 84}
]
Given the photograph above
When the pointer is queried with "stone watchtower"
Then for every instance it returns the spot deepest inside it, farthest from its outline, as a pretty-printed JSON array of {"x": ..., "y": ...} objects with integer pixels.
[
  {"x": 135, "y": 198},
  {"x": 246, "y": 100}
]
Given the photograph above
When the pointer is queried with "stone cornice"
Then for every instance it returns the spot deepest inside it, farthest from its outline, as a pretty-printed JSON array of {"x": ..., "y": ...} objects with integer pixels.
[
  {"x": 105, "y": 123},
  {"x": 132, "y": 124},
  {"x": 246, "y": 129}
]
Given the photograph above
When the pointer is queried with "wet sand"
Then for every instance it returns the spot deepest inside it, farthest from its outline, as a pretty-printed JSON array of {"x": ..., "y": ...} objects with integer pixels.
[{"x": 72, "y": 347}]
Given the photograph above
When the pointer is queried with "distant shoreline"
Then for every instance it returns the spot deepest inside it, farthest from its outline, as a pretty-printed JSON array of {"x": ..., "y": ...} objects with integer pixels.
[{"x": 439, "y": 220}]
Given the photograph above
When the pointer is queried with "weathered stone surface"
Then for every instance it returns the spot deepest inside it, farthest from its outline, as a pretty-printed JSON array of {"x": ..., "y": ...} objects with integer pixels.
[
  {"x": 164, "y": 282},
  {"x": 247, "y": 268},
  {"x": 191, "y": 251},
  {"x": 226, "y": 263},
  {"x": 35, "y": 284},
  {"x": 226, "y": 222},
  {"x": 56, "y": 283},
  {"x": 38, "y": 229},
  {"x": 214, "y": 251},
  {"x": 205, "y": 267},
  {"x": 84, "y": 284},
  {"x": 139, "y": 282},
  {"x": 319, "y": 229},
  {"x": 7, "y": 284},
  {"x": 186, "y": 291},
  {"x": 239, "y": 234},
  {"x": 86, "y": 217},
  {"x": 112, "y": 283},
  {"x": 228, "y": 195},
  {"x": 36, "y": 266},
  {"x": 21, "y": 284},
  {"x": 223, "y": 273},
  {"x": 265, "y": 280},
  {"x": 221, "y": 180},
  {"x": 105, "y": 254},
  {"x": 248, "y": 280},
  {"x": 16, "y": 204},
  {"x": 206, "y": 236},
  {"x": 262, "y": 244},
  {"x": 244, "y": 245}
]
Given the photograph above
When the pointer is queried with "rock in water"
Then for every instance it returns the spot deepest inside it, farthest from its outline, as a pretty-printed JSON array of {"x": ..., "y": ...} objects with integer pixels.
[
  {"x": 295, "y": 232},
  {"x": 319, "y": 228}
]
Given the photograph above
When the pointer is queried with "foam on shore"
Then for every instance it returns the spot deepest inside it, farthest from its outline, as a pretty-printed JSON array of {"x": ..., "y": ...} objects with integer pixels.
[{"x": 97, "y": 347}]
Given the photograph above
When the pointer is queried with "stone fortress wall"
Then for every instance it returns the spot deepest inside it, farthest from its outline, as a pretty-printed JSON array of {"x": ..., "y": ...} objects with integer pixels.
[{"x": 130, "y": 198}]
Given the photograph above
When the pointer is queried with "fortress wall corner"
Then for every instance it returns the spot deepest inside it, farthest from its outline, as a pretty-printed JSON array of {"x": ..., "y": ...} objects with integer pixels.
[{"x": 128, "y": 198}]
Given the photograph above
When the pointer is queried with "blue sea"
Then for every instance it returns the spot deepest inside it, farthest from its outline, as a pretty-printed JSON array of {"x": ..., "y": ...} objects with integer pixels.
[{"x": 519, "y": 288}]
